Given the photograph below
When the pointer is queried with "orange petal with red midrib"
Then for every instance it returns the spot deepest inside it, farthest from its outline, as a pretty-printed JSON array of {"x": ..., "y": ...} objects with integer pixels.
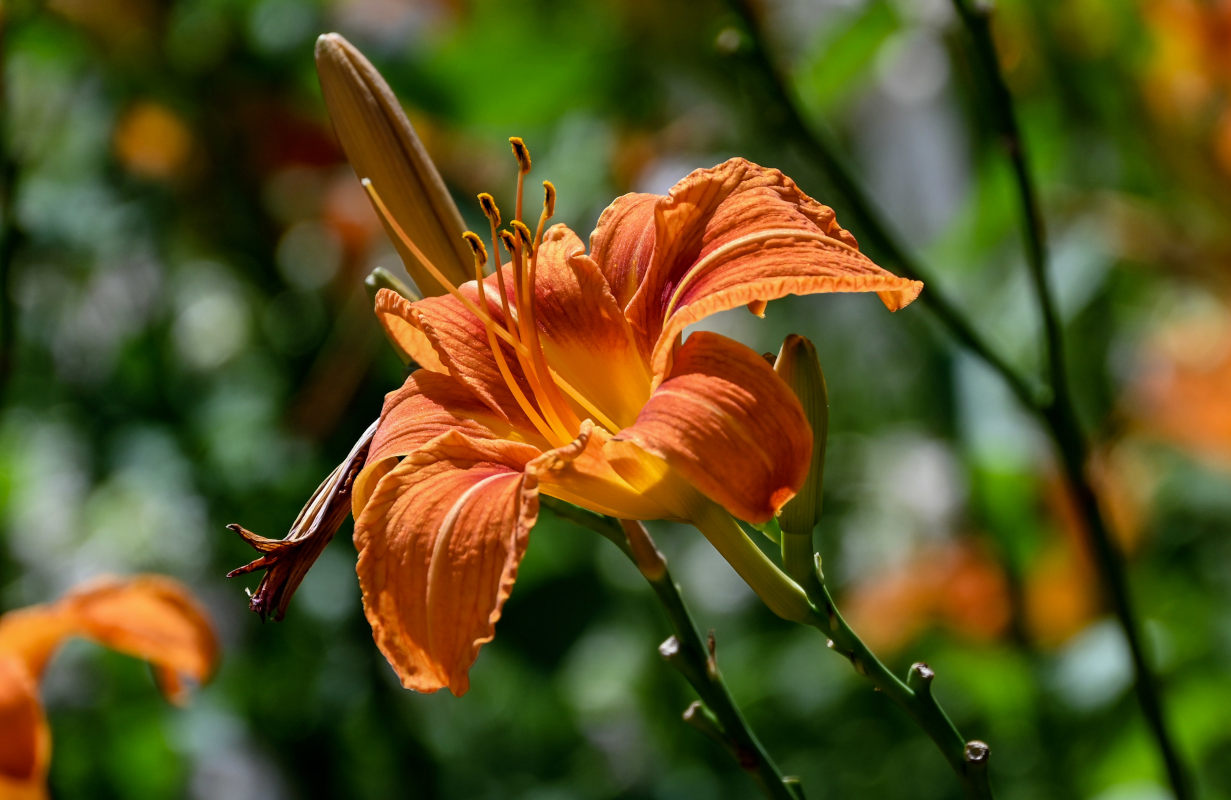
[
  {"x": 439, "y": 544},
  {"x": 724, "y": 421}
]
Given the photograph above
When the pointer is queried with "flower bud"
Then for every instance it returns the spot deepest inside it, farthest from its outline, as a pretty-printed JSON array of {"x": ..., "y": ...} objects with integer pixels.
[
  {"x": 799, "y": 368},
  {"x": 382, "y": 146}
]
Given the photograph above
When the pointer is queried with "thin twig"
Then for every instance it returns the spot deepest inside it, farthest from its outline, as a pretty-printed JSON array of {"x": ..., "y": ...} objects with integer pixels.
[
  {"x": 718, "y": 717},
  {"x": 1059, "y": 415},
  {"x": 967, "y": 758}
]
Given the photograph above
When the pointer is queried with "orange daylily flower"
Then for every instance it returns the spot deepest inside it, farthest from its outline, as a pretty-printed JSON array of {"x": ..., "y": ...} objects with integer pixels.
[
  {"x": 148, "y": 616},
  {"x": 566, "y": 374}
]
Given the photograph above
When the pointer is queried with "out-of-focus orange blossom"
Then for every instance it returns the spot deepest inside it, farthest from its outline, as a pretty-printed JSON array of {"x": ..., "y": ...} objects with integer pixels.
[
  {"x": 961, "y": 586},
  {"x": 150, "y": 140},
  {"x": 1183, "y": 394},
  {"x": 1188, "y": 73},
  {"x": 953, "y": 585}
]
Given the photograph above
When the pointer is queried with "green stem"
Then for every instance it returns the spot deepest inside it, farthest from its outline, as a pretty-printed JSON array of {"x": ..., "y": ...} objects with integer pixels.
[
  {"x": 719, "y": 717},
  {"x": 805, "y": 585},
  {"x": 1059, "y": 415},
  {"x": 968, "y": 759}
]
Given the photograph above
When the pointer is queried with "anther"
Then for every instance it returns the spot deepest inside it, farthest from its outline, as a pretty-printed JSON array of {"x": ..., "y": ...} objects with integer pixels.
[
  {"x": 521, "y": 153},
  {"x": 509, "y": 241},
  {"x": 490, "y": 210},
  {"x": 523, "y": 233},
  {"x": 476, "y": 244},
  {"x": 549, "y": 199}
]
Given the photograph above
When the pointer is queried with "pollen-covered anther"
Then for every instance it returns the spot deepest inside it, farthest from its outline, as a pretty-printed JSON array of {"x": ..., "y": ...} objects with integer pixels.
[
  {"x": 549, "y": 199},
  {"x": 509, "y": 241},
  {"x": 523, "y": 233},
  {"x": 521, "y": 153},
  {"x": 490, "y": 209},
  {"x": 476, "y": 246}
]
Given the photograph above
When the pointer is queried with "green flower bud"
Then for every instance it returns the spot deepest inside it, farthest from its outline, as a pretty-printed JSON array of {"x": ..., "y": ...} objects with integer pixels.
[{"x": 798, "y": 367}]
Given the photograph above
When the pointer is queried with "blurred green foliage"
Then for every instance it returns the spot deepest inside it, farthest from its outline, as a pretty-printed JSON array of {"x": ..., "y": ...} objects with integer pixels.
[{"x": 190, "y": 346}]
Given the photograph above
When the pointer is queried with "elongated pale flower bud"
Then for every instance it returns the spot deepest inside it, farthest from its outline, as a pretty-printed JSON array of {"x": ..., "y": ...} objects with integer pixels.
[
  {"x": 799, "y": 368},
  {"x": 382, "y": 146}
]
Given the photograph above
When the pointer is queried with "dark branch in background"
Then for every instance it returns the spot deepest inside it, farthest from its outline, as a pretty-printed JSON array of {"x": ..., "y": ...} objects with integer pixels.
[
  {"x": 716, "y": 715},
  {"x": 10, "y": 232},
  {"x": 1053, "y": 407},
  {"x": 1060, "y": 413}
]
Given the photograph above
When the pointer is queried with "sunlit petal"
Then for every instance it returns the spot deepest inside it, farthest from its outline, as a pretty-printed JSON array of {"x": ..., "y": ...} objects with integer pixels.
[
  {"x": 740, "y": 234},
  {"x": 439, "y": 544},
  {"x": 623, "y": 242},
  {"x": 729, "y": 425},
  {"x": 580, "y": 473},
  {"x": 425, "y": 407}
]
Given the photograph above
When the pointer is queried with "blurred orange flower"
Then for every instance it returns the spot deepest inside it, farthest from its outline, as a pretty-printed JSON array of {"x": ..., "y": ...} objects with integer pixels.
[
  {"x": 955, "y": 585},
  {"x": 152, "y": 141},
  {"x": 1183, "y": 392},
  {"x": 150, "y": 617}
]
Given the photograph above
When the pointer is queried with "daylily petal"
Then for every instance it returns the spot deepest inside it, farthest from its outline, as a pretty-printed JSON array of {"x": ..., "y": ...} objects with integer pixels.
[
  {"x": 148, "y": 616},
  {"x": 25, "y": 741},
  {"x": 583, "y": 330},
  {"x": 725, "y": 422},
  {"x": 382, "y": 146},
  {"x": 742, "y": 234},
  {"x": 439, "y": 544},
  {"x": 623, "y": 242},
  {"x": 460, "y": 342},
  {"x": 579, "y": 473},
  {"x": 393, "y": 314},
  {"x": 427, "y": 406}
]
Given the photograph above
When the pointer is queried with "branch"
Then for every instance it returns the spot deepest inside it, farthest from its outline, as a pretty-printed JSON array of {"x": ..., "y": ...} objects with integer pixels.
[
  {"x": 717, "y": 715},
  {"x": 1060, "y": 415}
]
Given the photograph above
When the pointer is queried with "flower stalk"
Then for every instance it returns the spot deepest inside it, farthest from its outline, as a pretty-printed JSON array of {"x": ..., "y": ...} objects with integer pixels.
[{"x": 716, "y": 715}]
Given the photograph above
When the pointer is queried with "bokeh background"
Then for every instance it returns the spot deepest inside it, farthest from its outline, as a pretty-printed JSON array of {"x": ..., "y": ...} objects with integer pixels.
[{"x": 186, "y": 343}]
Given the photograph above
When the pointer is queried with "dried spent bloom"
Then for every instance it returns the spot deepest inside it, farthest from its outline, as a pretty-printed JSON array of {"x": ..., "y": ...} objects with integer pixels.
[
  {"x": 147, "y": 616},
  {"x": 566, "y": 374}
]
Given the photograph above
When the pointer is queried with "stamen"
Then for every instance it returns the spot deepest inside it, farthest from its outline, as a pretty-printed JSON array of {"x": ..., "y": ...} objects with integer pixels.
[
  {"x": 480, "y": 261},
  {"x": 549, "y": 199},
  {"x": 492, "y": 212},
  {"x": 549, "y": 211},
  {"x": 523, "y": 234},
  {"x": 481, "y": 314},
  {"x": 400, "y": 233},
  {"x": 476, "y": 245},
  {"x": 522, "y": 154},
  {"x": 557, "y": 413}
]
